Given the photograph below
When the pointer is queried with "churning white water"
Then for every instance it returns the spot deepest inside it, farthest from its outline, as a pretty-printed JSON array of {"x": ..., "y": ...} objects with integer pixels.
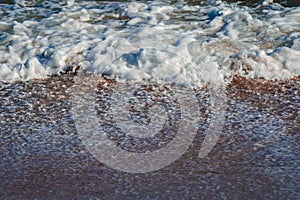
[{"x": 174, "y": 42}]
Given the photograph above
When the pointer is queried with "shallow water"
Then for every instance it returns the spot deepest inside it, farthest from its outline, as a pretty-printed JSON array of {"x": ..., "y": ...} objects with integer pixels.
[{"x": 256, "y": 156}]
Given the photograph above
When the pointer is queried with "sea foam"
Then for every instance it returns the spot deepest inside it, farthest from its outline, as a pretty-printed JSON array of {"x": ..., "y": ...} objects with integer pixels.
[{"x": 181, "y": 43}]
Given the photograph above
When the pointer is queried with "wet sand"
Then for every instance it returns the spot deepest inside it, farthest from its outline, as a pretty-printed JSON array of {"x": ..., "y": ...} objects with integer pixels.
[{"x": 256, "y": 157}]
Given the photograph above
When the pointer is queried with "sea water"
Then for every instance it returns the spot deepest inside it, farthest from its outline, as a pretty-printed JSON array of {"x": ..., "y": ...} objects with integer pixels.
[
  {"x": 185, "y": 42},
  {"x": 174, "y": 41}
]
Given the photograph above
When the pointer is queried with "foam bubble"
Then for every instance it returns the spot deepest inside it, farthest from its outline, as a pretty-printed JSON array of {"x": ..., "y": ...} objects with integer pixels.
[{"x": 185, "y": 44}]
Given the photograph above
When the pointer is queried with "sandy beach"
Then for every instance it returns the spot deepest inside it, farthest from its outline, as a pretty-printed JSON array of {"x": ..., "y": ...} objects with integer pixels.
[{"x": 257, "y": 154}]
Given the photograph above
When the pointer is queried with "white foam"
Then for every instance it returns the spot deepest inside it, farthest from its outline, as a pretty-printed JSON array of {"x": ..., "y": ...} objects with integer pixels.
[{"x": 186, "y": 44}]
